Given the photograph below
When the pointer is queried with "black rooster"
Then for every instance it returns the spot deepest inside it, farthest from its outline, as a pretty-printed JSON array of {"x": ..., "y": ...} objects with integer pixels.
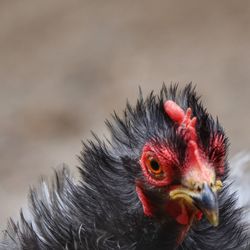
[{"x": 159, "y": 183}]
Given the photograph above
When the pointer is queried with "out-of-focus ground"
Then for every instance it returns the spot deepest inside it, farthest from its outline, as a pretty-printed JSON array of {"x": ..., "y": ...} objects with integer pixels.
[{"x": 66, "y": 65}]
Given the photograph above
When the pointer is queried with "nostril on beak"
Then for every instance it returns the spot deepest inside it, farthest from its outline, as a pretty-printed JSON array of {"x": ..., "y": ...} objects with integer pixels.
[{"x": 199, "y": 187}]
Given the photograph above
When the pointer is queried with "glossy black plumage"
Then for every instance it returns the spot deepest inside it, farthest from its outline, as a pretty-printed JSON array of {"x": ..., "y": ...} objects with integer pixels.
[{"x": 102, "y": 210}]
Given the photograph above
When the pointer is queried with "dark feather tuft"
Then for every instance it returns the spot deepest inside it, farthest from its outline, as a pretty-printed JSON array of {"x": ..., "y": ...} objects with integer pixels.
[{"x": 102, "y": 211}]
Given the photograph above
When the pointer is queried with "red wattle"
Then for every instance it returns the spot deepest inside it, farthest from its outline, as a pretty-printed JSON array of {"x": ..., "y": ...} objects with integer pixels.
[{"x": 145, "y": 205}]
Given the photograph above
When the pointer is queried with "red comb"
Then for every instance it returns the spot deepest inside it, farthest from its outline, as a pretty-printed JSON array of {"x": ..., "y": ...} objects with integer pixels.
[
  {"x": 186, "y": 127},
  {"x": 184, "y": 120}
]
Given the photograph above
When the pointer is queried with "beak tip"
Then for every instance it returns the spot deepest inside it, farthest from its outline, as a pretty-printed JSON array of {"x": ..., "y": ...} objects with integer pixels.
[
  {"x": 213, "y": 218},
  {"x": 214, "y": 223}
]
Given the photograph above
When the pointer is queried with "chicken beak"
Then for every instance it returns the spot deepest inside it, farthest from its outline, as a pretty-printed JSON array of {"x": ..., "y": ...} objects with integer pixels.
[{"x": 205, "y": 200}]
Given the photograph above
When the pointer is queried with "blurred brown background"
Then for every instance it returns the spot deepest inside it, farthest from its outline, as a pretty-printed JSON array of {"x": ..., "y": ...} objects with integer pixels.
[{"x": 66, "y": 65}]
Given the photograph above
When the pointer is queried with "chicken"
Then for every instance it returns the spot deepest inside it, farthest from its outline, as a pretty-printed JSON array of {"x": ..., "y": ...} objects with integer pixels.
[{"x": 158, "y": 183}]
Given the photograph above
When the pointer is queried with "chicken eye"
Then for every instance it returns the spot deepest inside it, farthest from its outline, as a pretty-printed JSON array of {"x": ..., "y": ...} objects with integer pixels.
[{"x": 154, "y": 166}]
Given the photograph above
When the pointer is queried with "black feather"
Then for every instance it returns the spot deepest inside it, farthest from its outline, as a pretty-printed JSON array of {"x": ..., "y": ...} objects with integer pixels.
[{"x": 102, "y": 210}]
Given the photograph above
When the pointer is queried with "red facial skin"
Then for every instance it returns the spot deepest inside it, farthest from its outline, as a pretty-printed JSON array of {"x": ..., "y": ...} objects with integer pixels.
[
  {"x": 170, "y": 172},
  {"x": 165, "y": 158},
  {"x": 196, "y": 167}
]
